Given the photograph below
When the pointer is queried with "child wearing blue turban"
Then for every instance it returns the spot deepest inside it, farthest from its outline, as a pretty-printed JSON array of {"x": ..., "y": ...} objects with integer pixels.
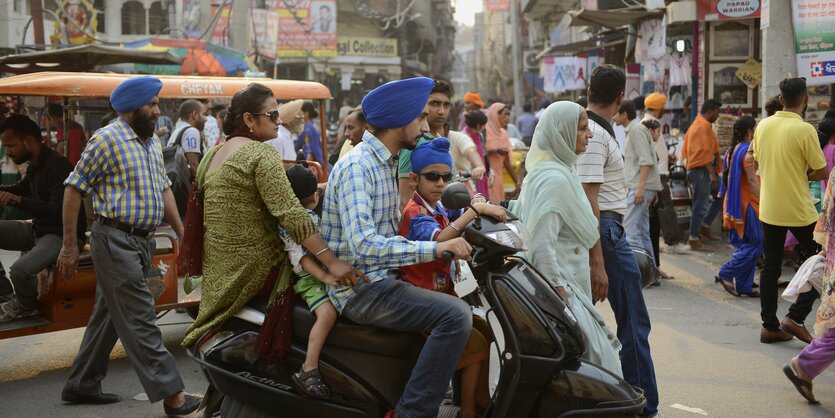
[{"x": 425, "y": 219}]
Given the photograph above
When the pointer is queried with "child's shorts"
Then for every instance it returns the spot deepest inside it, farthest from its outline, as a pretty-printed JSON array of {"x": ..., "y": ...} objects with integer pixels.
[
  {"x": 478, "y": 345},
  {"x": 314, "y": 292}
]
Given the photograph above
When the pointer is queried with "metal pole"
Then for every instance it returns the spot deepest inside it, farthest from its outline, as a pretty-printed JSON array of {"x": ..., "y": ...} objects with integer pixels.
[{"x": 515, "y": 51}]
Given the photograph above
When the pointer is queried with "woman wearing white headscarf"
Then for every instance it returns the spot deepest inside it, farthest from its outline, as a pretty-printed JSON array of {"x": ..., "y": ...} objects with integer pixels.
[{"x": 563, "y": 227}]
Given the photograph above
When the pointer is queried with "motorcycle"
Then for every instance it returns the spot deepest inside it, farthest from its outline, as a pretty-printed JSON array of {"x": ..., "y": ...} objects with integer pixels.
[
  {"x": 677, "y": 182},
  {"x": 542, "y": 373}
]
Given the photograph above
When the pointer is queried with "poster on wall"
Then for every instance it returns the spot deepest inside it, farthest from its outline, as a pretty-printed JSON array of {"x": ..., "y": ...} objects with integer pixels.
[
  {"x": 814, "y": 40},
  {"x": 563, "y": 74},
  {"x": 191, "y": 17},
  {"x": 220, "y": 34},
  {"x": 751, "y": 73},
  {"x": 264, "y": 41},
  {"x": 712, "y": 10},
  {"x": 305, "y": 27}
]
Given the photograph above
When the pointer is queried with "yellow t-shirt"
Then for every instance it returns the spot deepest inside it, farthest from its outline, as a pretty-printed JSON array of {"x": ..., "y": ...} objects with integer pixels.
[{"x": 785, "y": 147}]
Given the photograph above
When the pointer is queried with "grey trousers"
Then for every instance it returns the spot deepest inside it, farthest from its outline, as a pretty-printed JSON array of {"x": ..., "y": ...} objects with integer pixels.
[
  {"x": 42, "y": 251},
  {"x": 124, "y": 310}
]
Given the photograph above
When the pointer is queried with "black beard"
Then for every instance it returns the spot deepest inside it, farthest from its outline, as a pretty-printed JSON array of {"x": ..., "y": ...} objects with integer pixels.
[{"x": 144, "y": 125}]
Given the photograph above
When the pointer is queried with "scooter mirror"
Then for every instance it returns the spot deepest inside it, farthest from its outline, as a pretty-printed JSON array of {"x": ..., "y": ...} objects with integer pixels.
[{"x": 455, "y": 196}]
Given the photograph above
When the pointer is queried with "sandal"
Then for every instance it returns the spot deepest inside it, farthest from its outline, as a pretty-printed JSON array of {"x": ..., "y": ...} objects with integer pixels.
[
  {"x": 310, "y": 383},
  {"x": 803, "y": 387},
  {"x": 729, "y": 287}
]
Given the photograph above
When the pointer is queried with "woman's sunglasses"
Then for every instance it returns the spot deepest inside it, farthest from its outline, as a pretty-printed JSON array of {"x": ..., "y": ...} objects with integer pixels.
[
  {"x": 272, "y": 115},
  {"x": 435, "y": 176}
]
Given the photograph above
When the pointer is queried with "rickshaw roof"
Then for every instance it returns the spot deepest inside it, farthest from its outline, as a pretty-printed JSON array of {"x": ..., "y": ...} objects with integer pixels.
[{"x": 62, "y": 84}]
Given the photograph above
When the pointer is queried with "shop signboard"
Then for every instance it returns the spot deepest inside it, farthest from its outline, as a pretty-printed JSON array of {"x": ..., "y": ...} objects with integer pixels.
[
  {"x": 358, "y": 46},
  {"x": 814, "y": 40},
  {"x": 711, "y": 10},
  {"x": 497, "y": 5},
  {"x": 306, "y": 27}
]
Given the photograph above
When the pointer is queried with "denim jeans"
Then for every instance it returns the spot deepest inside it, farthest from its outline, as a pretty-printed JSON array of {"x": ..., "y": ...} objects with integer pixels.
[
  {"x": 699, "y": 179},
  {"x": 716, "y": 206},
  {"x": 627, "y": 300},
  {"x": 400, "y": 306},
  {"x": 636, "y": 221}
]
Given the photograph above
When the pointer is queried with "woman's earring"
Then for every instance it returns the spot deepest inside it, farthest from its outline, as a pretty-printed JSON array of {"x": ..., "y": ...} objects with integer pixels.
[{"x": 250, "y": 129}]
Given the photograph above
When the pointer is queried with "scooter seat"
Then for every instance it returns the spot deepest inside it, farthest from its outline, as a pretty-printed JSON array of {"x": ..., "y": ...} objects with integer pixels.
[{"x": 351, "y": 336}]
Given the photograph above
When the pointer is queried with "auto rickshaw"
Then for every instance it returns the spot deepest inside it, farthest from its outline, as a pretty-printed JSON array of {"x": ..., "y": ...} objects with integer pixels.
[{"x": 65, "y": 304}]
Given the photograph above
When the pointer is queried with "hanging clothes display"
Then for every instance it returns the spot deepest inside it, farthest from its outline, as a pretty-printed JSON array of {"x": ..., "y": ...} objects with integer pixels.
[
  {"x": 680, "y": 70},
  {"x": 652, "y": 39},
  {"x": 654, "y": 69}
]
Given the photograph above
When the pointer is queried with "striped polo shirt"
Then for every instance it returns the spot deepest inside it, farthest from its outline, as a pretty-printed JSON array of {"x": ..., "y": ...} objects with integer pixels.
[{"x": 602, "y": 164}]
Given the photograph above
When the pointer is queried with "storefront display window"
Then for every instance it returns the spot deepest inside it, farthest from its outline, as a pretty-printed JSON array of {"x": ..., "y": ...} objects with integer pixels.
[
  {"x": 732, "y": 40},
  {"x": 726, "y": 87}
]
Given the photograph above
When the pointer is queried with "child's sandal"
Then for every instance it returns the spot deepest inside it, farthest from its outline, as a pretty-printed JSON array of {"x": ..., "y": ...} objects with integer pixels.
[{"x": 310, "y": 383}]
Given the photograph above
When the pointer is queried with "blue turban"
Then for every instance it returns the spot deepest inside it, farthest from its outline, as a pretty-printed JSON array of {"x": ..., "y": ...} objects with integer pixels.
[
  {"x": 435, "y": 151},
  {"x": 397, "y": 103},
  {"x": 134, "y": 93}
]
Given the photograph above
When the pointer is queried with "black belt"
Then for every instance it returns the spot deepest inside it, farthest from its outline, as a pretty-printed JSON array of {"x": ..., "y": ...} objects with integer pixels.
[
  {"x": 611, "y": 215},
  {"x": 142, "y": 233}
]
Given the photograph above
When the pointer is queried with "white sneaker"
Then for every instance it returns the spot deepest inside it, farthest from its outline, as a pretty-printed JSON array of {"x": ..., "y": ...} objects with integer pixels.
[{"x": 679, "y": 248}]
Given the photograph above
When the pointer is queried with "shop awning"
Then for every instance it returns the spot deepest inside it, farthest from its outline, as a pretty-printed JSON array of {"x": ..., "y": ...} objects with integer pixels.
[
  {"x": 88, "y": 56},
  {"x": 611, "y": 18},
  {"x": 577, "y": 48}
]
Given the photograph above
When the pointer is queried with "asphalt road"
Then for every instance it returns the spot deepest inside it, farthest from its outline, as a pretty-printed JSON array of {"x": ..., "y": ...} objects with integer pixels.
[{"x": 705, "y": 346}]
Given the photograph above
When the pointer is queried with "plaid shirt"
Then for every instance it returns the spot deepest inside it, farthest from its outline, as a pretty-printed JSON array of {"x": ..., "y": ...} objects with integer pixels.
[
  {"x": 361, "y": 214},
  {"x": 125, "y": 175}
]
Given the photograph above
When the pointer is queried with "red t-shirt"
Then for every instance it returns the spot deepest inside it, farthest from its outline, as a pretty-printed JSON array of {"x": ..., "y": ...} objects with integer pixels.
[
  {"x": 75, "y": 142},
  {"x": 421, "y": 223}
]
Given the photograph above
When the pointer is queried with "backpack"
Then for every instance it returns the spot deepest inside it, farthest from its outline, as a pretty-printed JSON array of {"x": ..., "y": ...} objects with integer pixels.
[{"x": 176, "y": 167}]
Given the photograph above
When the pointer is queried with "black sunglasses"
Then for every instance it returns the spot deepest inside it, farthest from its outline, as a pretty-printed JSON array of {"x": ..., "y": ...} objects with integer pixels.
[
  {"x": 272, "y": 115},
  {"x": 435, "y": 176}
]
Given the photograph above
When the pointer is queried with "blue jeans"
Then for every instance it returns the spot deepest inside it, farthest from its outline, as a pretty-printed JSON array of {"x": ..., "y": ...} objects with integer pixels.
[
  {"x": 636, "y": 221},
  {"x": 699, "y": 179},
  {"x": 400, "y": 306},
  {"x": 627, "y": 300},
  {"x": 716, "y": 207}
]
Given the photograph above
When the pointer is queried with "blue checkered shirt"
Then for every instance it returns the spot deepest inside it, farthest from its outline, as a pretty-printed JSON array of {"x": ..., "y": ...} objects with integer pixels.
[
  {"x": 360, "y": 217},
  {"x": 125, "y": 175}
]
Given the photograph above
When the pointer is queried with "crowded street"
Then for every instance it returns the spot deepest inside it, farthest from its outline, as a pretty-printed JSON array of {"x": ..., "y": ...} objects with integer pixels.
[{"x": 704, "y": 342}]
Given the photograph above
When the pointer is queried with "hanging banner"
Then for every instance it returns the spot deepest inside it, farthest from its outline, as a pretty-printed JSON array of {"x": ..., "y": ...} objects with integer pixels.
[
  {"x": 710, "y": 10},
  {"x": 814, "y": 40},
  {"x": 497, "y": 5},
  {"x": 77, "y": 24},
  {"x": 191, "y": 17},
  {"x": 306, "y": 27},
  {"x": 264, "y": 41},
  {"x": 220, "y": 35},
  {"x": 751, "y": 73},
  {"x": 563, "y": 74}
]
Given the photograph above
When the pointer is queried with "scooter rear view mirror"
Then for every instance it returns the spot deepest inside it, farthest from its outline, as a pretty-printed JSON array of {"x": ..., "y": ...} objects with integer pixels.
[{"x": 455, "y": 196}]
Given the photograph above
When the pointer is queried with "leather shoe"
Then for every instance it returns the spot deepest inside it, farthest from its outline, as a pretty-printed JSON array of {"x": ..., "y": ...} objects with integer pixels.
[
  {"x": 768, "y": 336},
  {"x": 190, "y": 405},
  {"x": 798, "y": 330},
  {"x": 71, "y": 396},
  {"x": 707, "y": 233}
]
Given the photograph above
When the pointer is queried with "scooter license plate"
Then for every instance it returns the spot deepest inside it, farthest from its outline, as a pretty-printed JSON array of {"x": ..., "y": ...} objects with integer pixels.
[{"x": 682, "y": 211}]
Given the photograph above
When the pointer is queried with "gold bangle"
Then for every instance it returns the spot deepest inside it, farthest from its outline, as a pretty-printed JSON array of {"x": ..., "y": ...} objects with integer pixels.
[{"x": 321, "y": 251}]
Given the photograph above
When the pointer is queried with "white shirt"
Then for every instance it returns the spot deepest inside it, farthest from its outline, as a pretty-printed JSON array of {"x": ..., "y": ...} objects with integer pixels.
[
  {"x": 459, "y": 144},
  {"x": 191, "y": 139},
  {"x": 284, "y": 143},
  {"x": 602, "y": 163},
  {"x": 212, "y": 131}
]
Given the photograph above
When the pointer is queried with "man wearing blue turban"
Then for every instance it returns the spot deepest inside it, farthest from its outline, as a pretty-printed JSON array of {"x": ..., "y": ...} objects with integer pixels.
[
  {"x": 359, "y": 221},
  {"x": 122, "y": 167}
]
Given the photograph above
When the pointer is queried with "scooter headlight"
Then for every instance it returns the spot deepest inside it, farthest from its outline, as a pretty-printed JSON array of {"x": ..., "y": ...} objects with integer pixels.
[{"x": 515, "y": 236}]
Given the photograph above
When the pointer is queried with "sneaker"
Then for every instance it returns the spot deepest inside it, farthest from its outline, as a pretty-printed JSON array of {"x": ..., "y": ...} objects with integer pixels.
[
  {"x": 12, "y": 310},
  {"x": 680, "y": 248}
]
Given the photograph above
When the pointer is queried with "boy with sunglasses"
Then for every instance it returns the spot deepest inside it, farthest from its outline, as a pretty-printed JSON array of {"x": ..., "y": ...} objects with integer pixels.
[{"x": 425, "y": 219}]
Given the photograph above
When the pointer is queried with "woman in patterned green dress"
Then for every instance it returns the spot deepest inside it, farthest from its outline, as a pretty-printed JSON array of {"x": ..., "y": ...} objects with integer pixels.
[{"x": 245, "y": 190}]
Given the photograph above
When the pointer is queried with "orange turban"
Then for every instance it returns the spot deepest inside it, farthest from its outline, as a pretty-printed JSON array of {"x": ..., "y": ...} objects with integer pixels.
[
  {"x": 474, "y": 97},
  {"x": 655, "y": 101}
]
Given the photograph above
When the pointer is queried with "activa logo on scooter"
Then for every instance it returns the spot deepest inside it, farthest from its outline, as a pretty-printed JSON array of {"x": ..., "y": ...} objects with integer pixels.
[{"x": 265, "y": 381}]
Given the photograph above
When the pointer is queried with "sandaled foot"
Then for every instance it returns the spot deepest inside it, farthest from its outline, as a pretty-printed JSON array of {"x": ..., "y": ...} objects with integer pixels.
[
  {"x": 311, "y": 384},
  {"x": 803, "y": 387},
  {"x": 729, "y": 287}
]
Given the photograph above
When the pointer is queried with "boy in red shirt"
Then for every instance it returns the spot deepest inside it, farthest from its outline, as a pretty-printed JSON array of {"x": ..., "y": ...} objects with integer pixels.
[{"x": 425, "y": 219}]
